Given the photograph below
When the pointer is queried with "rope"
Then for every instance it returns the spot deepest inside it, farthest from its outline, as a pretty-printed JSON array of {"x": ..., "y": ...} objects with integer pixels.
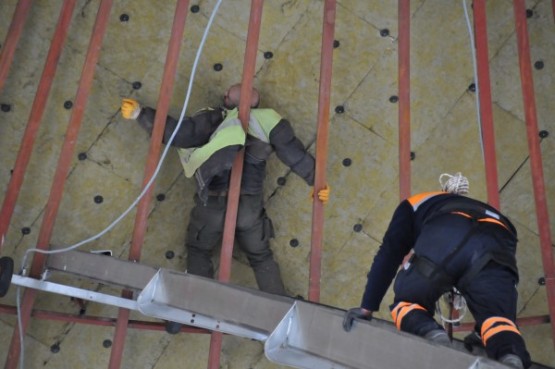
[
  {"x": 457, "y": 183},
  {"x": 475, "y": 72},
  {"x": 459, "y": 304}
]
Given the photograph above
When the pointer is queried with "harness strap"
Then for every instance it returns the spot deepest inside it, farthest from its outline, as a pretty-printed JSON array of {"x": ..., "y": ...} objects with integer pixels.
[
  {"x": 500, "y": 258},
  {"x": 482, "y": 213},
  {"x": 441, "y": 267},
  {"x": 432, "y": 272},
  {"x": 437, "y": 273}
]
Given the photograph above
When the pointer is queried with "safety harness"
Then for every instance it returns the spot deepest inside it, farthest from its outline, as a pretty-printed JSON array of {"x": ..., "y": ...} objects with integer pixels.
[{"x": 480, "y": 215}]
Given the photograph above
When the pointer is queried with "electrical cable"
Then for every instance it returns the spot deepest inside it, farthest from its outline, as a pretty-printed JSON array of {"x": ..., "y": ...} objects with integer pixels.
[
  {"x": 475, "y": 71},
  {"x": 139, "y": 197},
  {"x": 157, "y": 170},
  {"x": 459, "y": 302}
]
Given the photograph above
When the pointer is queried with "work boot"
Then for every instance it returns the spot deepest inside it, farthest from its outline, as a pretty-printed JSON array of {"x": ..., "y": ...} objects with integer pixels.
[
  {"x": 512, "y": 360},
  {"x": 438, "y": 336},
  {"x": 472, "y": 340},
  {"x": 173, "y": 327}
]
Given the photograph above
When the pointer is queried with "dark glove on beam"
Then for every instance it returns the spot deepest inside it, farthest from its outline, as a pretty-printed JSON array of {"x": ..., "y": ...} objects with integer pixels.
[{"x": 355, "y": 313}]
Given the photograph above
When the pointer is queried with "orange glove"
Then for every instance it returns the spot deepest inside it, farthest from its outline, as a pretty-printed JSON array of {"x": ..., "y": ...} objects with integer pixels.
[
  {"x": 323, "y": 194},
  {"x": 130, "y": 108}
]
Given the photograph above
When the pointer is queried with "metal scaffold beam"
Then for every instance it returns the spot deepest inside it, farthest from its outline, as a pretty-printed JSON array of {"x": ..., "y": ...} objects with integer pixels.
[{"x": 295, "y": 333}]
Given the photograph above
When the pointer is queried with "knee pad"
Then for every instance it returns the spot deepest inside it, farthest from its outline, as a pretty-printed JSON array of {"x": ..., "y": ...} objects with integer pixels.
[
  {"x": 496, "y": 325},
  {"x": 401, "y": 310},
  {"x": 413, "y": 318},
  {"x": 501, "y": 338}
]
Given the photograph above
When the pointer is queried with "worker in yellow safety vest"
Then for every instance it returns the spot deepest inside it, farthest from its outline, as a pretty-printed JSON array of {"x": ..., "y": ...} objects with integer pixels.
[{"x": 207, "y": 143}]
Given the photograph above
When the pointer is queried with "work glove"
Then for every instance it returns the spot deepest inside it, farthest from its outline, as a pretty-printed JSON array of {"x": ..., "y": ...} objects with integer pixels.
[
  {"x": 355, "y": 313},
  {"x": 130, "y": 108},
  {"x": 323, "y": 194}
]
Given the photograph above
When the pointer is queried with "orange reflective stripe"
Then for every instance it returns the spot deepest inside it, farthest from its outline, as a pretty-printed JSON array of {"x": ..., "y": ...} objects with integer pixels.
[
  {"x": 421, "y": 197},
  {"x": 491, "y": 220},
  {"x": 488, "y": 323},
  {"x": 498, "y": 329},
  {"x": 404, "y": 310},
  {"x": 461, "y": 213},
  {"x": 395, "y": 311},
  {"x": 489, "y": 330}
]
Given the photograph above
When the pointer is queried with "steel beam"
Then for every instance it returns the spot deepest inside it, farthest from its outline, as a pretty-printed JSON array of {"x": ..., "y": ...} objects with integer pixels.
[
  {"x": 404, "y": 99},
  {"x": 23, "y": 159},
  {"x": 530, "y": 114},
  {"x": 153, "y": 158},
  {"x": 39, "y": 103},
  {"x": 12, "y": 38},
  {"x": 486, "y": 108},
  {"x": 322, "y": 135},
  {"x": 249, "y": 67},
  {"x": 95, "y": 320}
]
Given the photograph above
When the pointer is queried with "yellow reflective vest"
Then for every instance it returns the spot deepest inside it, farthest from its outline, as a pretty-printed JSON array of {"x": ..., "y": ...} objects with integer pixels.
[{"x": 229, "y": 133}]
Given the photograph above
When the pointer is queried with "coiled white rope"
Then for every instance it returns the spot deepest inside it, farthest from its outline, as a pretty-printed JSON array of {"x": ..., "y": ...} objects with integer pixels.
[{"x": 456, "y": 184}]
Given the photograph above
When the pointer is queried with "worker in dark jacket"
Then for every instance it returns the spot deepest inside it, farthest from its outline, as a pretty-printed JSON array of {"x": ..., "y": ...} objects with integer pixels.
[
  {"x": 458, "y": 242},
  {"x": 207, "y": 144}
]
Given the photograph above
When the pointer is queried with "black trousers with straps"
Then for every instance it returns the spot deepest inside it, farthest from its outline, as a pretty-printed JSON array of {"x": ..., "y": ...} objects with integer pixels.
[{"x": 491, "y": 292}]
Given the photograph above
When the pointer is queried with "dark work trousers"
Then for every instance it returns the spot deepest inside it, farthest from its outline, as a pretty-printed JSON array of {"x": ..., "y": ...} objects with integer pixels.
[
  {"x": 491, "y": 293},
  {"x": 253, "y": 232}
]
